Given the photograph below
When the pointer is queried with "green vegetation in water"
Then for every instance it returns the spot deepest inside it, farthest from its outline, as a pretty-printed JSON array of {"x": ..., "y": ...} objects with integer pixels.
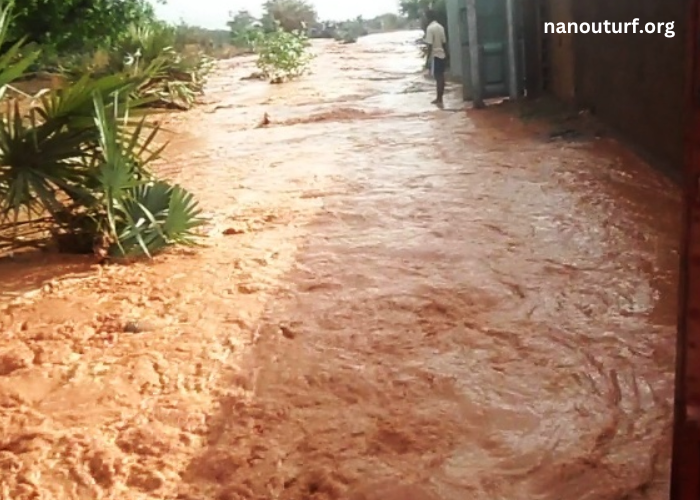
[
  {"x": 282, "y": 55},
  {"x": 279, "y": 37},
  {"x": 351, "y": 31}
]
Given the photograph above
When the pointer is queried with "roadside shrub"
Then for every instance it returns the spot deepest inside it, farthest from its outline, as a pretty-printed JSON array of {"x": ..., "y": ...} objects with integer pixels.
[
  {"x": 75, "y": 169},
  {"x": 169, "y": 78},
  {"x": 243, "y": 29},
  {"x": 346, "y": 37},
  {"x": 351, "y": 31},
  {"x": 282, "y": 55},
  {"x": 247, "y": 38},
  {"x": 213, "y": 43}
]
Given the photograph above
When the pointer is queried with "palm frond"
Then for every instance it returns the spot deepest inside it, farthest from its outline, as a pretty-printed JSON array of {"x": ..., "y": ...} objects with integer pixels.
[{"x": 154, "y": 216}]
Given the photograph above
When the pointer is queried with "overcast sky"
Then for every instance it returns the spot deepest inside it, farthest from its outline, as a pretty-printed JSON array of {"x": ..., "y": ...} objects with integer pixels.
[{"x": 213, "y": 14}]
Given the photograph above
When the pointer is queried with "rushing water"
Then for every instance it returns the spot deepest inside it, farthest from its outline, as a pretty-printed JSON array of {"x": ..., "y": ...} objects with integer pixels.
[
  {"x": 481, "y": 312},
  {"x": 473, "y": 312}
]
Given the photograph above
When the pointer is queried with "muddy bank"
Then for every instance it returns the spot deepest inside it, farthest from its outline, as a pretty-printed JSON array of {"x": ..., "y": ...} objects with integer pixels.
[{"x": 391, "y": 297}]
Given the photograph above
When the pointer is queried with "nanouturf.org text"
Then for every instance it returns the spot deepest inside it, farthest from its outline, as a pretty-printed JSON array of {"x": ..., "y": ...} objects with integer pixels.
[{"x": 600, "y": 27}]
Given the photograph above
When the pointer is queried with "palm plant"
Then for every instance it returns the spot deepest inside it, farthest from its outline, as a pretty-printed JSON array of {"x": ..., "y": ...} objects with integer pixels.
[
  {"x": 78, "y": 161},
  {"x": 148, "y": 52},
  {"x": 12, "y": 63},
  {"x": 138, "y": 215},
  {"x": 46, "y": 156},
  {"x": 150, "y": 40},
  {"x": 173, "y": 80}
]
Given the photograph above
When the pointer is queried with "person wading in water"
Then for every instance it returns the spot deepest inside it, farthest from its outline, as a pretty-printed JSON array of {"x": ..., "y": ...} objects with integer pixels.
[{"x": 436, "y": 40}]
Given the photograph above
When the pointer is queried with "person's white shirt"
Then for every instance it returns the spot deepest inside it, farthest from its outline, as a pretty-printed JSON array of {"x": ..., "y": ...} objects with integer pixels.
[{"x": 435, "y": 36}]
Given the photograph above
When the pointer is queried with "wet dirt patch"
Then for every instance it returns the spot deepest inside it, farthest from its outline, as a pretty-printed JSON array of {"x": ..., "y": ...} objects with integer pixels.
[
  {"x": 334, "y": 115},
  {"x": 560, "y": 122}
]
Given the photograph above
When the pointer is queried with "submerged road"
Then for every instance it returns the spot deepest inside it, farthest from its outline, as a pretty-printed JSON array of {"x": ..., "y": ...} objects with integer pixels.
[{"x": 407, "y": 304}]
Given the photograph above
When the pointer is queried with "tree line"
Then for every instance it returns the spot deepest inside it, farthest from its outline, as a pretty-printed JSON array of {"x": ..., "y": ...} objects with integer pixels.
[{"x": 292, "y": 15}]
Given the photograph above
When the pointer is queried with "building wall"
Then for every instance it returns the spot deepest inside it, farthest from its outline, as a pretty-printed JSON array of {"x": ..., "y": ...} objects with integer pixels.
[
  {"x": 634, "y": 82},
  {"x": 685, "y": 468},
  {"x": 532, "y": 47},
  {"x": 561, "y": 51}
]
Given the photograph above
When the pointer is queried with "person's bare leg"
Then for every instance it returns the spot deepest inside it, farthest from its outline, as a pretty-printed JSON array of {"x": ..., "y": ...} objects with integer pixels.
[
  {"x": 439, "y": 75},
  {"x": 440, "y": 87},
  {"x": 440, "y": 80}
]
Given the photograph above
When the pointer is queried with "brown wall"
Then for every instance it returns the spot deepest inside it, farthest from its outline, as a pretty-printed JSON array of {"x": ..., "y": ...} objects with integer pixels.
[
  {"x": 561, "y": 47},
  {"x": 634, "y": 82}
]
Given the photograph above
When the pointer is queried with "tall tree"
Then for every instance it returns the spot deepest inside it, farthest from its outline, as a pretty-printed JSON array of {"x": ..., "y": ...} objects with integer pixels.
[
  {"x": 241, "y": 21},
  {"x": 77, "y": 24},
  {"x": 242, "y": 25},
  {"x": 289, "y": 14},
  {"x": 416, "y": 9}
]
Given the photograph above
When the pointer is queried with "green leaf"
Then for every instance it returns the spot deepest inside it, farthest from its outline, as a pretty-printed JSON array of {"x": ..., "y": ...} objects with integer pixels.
[{"x": 154, "y": 216}]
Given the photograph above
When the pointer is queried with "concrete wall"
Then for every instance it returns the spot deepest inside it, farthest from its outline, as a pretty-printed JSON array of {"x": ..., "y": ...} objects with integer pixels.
[{"x": 634, "y": 82}]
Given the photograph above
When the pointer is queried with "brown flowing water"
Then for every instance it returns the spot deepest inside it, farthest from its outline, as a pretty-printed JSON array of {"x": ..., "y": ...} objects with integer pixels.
[{"x": 394, "y": 302}]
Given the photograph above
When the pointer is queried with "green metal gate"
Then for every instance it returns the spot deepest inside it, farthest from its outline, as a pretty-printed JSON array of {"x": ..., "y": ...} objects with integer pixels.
[{"x": 493, "y": 49}]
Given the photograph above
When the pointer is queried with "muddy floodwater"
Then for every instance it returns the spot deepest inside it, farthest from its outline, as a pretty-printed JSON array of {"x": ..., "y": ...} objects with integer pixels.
[{"x": 393, "y": 302}]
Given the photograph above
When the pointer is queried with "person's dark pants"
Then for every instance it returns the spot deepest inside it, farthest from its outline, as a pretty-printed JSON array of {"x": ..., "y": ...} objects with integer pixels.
[{"x": 439, "y": 69}]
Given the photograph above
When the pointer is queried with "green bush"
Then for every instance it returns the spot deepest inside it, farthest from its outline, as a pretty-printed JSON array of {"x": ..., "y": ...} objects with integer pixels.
[
  {"x": 77, "y": 165},
  {"x": 136, "y": 214},
  {"x": 243, "y": 29},
  {"x": 351, "y": 31},
  {"x": 148, "y": 52},
  {"x": 282, "y": 55},
  {"x": 246, "y": 39},
  {"x": 74, "y": 25}
]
